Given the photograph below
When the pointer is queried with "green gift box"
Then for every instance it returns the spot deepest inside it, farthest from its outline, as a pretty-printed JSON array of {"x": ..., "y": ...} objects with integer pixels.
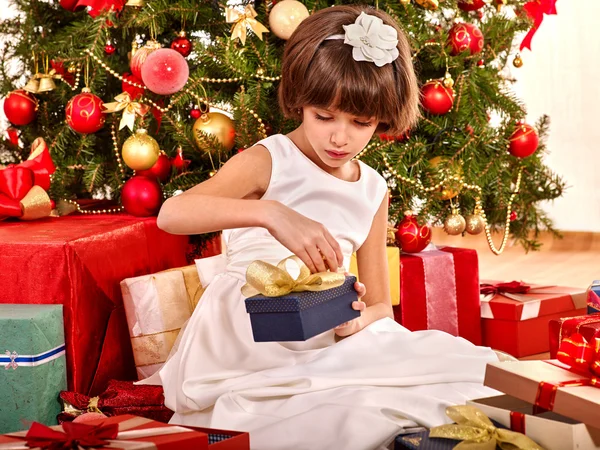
[{"x": 32, "y": 365}]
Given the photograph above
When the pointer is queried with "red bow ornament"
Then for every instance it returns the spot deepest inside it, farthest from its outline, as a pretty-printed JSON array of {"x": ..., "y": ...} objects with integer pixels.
[
  {"x": 23, "y": 186},
  {"x": 514, "y": 287},
  {"x": 535, "y": 10},
  {"x": 76, "y": 435}
]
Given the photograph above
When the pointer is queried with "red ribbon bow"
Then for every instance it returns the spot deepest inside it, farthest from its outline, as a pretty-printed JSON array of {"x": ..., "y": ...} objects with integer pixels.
[
  {"x": 514, "y": 287},
  {"x": 75, "y": 434},
  {"x": 17, "y": 180},
  {"x": 535, "y": 10}
]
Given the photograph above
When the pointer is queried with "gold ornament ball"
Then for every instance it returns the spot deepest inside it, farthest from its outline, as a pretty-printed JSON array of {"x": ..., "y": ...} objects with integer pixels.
[
  {"x": 140, "y": 151},
  {"x": 517, "y": 62},
  {"x": 217, "y": 125},
  {"x": 448, "y": 81},
  {"x": 453, "y": 188},
  {"x": 405, "y": 2},
  {"x": 455, "y": 224},
  {"x": 474, "y": 224},
  {"x": 429, "y": 4},
  {"x": 285, "y": 17}
]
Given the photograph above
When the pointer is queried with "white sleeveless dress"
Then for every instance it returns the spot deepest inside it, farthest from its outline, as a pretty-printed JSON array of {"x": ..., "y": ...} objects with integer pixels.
[{"x": 357, "y": 393}]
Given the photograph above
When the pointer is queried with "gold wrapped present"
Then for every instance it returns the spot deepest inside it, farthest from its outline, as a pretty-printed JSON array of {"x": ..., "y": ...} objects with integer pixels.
[{"x": 393, "y": 257}]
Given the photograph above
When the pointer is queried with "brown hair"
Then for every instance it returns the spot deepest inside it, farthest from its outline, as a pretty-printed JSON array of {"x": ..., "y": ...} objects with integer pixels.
[{"x": 322, "y": 73}]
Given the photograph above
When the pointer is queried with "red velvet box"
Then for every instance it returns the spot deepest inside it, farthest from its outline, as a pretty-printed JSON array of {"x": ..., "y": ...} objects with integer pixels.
[
  {"x": 439, "y": 290},
  {"x": 588, "y": 326},
  {"x": 518, "y": 323},
  {"x": 78, "y": 261}
]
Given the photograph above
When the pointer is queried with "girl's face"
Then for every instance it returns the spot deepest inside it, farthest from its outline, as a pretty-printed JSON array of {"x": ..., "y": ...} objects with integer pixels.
[{"x": 335, "y": 136}]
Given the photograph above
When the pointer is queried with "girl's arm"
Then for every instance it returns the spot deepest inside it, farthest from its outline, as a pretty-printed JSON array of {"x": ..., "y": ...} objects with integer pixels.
[{"x": 373, "y": 268}]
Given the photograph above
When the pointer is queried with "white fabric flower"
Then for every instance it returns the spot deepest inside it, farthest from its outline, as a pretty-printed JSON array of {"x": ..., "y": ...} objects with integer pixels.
[{"x": 372, "y": 40}]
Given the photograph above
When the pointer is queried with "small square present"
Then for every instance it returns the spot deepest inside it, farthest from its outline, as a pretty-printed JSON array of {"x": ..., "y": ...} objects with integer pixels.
[
  {"x": 299, "y": 316},
  {"x": 34, "y": 367},
  {"x": 593, "y": 297},
  {"x": 549, "y": 385},
  {"x": 552, "y": 431},
  {"x": 516, "y": 315},
  {"x": 588, "y": 326}
]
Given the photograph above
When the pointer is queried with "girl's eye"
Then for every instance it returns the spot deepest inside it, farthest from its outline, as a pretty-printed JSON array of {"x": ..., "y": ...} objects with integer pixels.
[
  {"x": 318, "y": 117},
  {"x": 363, "y": 124}
]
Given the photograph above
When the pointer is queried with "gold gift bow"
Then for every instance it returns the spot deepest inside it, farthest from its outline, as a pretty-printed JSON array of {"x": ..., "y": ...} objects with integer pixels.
[
  {"x": 129, "y": 107},
  {"x": 241, "y": 20},
  {"x": 275, "y": 281},
  {"x": 477, "y": 432},
  {"x": 92, "y": 407}
]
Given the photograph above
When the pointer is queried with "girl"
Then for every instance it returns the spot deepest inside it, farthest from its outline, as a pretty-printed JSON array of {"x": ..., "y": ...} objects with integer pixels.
[{"x": 347, "y": 73}]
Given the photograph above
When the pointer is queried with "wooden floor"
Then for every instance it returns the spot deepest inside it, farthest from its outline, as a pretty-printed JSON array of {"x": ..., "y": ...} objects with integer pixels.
[{"x": 571, "y": 261}]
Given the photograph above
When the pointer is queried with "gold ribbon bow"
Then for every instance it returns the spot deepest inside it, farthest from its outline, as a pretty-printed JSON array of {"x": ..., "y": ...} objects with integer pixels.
[
  {"x": 130, "y": 109},
  {"x": 275, "y": 281},
  {"x": 478, "y": 432},
  {"x": 241, "y": 20}
]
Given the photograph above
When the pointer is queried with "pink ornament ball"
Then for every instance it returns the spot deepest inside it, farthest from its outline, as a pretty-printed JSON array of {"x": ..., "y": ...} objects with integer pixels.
[
  {"x": 86, "y": 417},
  {"x": 165, "y": 71}
]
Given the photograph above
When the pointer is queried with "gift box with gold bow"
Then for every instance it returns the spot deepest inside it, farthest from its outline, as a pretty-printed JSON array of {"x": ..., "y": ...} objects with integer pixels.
[
  {"x": 552, "y": 431},
  {"x": 515, "y": 315},
  {"x": 593, "y": 297},
  {"x": 23, "y": 186},
  {"x": 287, "y": 308},
  {"x": 588, "y": 326}
]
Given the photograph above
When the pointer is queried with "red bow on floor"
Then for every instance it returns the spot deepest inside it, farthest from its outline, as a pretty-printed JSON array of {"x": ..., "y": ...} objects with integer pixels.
[
  {"x": 75, "y": 434},
  {"x": 514, "y": 287},
  {"x": 23, "y": 186},
  {"x": 535, "y": 10}
]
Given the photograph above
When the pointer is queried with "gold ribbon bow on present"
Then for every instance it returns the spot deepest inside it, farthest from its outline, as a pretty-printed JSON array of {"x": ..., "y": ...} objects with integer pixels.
[
  {"x": 241, "y": 20},
  {"x": 129, "y": 107},
  {"x": 275, "y": 281},
  {"x": 477, "y": 432}
]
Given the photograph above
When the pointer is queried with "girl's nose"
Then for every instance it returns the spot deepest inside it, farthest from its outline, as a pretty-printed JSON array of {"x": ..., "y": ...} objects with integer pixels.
[{"x": 339, "y": 138}]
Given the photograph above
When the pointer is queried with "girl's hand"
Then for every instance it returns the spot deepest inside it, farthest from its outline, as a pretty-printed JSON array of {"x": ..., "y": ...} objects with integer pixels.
[
  {"x": 305, "y": 238},
  {"x": 355, "y": 325}
]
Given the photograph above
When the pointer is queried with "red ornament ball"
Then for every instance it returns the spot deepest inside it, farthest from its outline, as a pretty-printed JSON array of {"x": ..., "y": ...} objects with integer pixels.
[
  {"x": 513, "y": 216},
  {"x": 20, "y": 107},
  {"x": 165, "y": 71},
  {"x": 71, "y": 5},
  {"x": 141, "y": 196},
  {"x": 182, "y": 45},
  {"x": 465, "y": 36},
  {"x": 470, "y": 5},
  {"x": 161, "y": 169},
  {"x": 109, "y": 49},
  {"x": 84, "y": 112},
  {"x": 140, "y": 55},
  {"x": 134, "y": 91},
  {"x": 524, "y": 141},
  {"x": 195, "y": 113},
  {"x": 412, "y": 237},
  {"x": 436, "y": 98}
]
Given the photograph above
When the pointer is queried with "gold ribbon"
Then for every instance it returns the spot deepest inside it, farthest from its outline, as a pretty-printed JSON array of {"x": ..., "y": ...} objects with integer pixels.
[
  {"x": 241, "y": 20},
  {"x": 477, "y": 432},
  {"x": 74, "y": 411},
  {"x": 36, "y": 204},
  {"x": 275, "y": 281},
  {"x": 130, "y": 109}
]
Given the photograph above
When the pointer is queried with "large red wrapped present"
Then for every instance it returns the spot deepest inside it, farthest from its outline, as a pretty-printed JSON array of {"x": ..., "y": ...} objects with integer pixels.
[
  {"x": 119, "y": 432},
  {"x": 516, "y": 315},
  {"x": 588, "y": 326},
  {"x": 439, "y": 290},
  {"x": 121, "y": 397},
  {"x": 79, "y": 261}
]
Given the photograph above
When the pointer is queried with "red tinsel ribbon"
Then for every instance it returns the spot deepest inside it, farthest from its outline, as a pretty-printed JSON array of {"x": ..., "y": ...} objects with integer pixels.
[
  {"x": 17, "y": 180},
  {"x": 535, "y": 10},
  {"x": 514, "y": 287},
  {"x": 517, "y": 422},
  {"x": 75, "y": 435},
  {"x": 583, "y": 358}
]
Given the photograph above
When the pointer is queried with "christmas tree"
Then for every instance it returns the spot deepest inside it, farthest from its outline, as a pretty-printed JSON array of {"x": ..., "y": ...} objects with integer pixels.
[{"x": 172, "y": 89}]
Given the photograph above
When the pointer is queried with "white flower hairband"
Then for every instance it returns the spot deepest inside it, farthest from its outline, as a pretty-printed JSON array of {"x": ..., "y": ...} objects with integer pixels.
[{"x": 372, "y": 40}]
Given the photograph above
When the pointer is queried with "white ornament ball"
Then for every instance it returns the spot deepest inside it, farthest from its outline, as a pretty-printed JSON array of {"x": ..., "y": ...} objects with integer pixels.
[{"x": 285, "y": 17}]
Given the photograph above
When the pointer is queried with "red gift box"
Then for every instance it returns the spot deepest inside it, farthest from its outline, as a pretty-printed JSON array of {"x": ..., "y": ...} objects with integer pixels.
[
  {"x": 439, "y": 289},
  {"x": 588, "y": 326},
  {"x": 79, "y": 261},
  {"x": 119, "y": 432},
  {"x": 517, "y": 323}
]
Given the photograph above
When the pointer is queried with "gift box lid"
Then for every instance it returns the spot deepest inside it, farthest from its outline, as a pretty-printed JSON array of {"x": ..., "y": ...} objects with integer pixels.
[
  {"x": 31, "y": 334},
  {"x": 531, "y": 381},
  {"x": 593, "y": 294},
  {"x": 297, "y": 301},
  {"x": 539, "y": 301}
]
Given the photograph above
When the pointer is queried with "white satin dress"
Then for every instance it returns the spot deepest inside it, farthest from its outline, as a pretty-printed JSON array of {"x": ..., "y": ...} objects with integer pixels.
[{"x": 357, "y": 393}]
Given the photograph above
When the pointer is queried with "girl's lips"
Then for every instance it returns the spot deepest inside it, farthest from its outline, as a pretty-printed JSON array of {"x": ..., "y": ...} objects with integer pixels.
[{"x": 336, "y": 155}]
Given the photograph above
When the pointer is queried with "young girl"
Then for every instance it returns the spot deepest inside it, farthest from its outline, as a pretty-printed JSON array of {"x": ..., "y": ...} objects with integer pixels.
[{"x": 347, "y": 73}]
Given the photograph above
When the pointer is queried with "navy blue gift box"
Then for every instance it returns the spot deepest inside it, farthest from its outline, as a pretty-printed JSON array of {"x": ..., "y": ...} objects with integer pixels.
[{"x": 299, "y": 316}]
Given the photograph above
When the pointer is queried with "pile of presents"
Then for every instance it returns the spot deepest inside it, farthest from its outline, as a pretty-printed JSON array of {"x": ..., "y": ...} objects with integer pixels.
[{"x": 95, "y": 300}]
